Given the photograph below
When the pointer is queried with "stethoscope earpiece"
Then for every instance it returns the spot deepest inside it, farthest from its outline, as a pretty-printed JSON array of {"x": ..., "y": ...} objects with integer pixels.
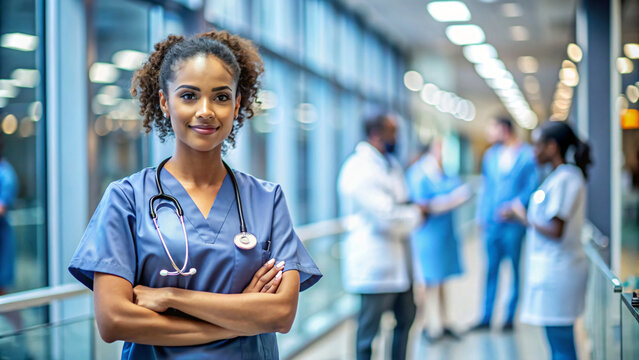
[{"x": 164, "y": 272}]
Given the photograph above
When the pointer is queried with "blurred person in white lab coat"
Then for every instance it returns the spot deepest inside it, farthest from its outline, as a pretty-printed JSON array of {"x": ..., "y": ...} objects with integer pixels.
[
  {"x": 436, "y": 243},
  {"x": 376, "y": 258},
  {"x": 557, "y": 268}
]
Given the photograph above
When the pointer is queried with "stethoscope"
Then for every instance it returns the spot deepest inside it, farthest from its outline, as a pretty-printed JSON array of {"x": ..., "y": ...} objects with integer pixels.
[{"x": 243, "y": 240}]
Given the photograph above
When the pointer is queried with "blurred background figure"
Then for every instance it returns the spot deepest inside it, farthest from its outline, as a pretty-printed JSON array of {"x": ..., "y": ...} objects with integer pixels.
[
  {"x": 376, "y": 258},
  {"x": 557, "y": 267},
  {"x": 435, "y": 243},
  {"x": 508, "y": 174},
  {"x": 8, "y": 193}
]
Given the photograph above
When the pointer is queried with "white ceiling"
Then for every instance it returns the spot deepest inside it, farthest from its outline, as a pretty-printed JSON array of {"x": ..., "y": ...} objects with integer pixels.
[{"x": 550, "y": 24}]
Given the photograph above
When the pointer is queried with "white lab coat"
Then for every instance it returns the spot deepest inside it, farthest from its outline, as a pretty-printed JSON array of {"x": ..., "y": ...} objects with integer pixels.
[
  {"x": 375, "y": 252},
  {"x": 557, "y": 269}
]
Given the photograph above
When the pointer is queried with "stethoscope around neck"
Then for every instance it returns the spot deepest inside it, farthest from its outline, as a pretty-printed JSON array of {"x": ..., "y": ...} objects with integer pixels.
[{"x": 243, "y": 240}]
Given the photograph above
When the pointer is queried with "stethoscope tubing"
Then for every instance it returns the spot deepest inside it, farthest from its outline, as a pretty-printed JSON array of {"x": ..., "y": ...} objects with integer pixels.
[{"x": 180, "y": 214}]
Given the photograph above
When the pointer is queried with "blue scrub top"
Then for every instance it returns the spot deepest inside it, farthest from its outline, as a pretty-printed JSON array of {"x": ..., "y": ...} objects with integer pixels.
[
  {"x": 435, "y": 242},
  {"x": 8, "y": 193},
  {"x": 122, "y": 240},
  {"x": 499, "y": 188}
]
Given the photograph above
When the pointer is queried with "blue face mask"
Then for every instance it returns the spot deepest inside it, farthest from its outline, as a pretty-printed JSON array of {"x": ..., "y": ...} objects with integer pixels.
[{"x": 390, "y": 148}]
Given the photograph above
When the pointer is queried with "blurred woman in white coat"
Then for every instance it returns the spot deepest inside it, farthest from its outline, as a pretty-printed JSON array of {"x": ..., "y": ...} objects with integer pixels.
[{"x": 557, "y": 268}]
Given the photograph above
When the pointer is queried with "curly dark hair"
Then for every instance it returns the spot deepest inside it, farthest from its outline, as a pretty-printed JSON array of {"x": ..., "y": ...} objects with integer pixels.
[{"x": 239, "y": 54}]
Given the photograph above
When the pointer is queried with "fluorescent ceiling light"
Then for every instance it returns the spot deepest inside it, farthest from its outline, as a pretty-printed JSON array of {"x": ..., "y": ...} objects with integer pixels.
[
  {"x": 26, "y": 78},
  {"x": 511, "y": 10},
  {"x": 531, "y": 84},
  {"x": 502, "y": 83},
  {"x": 128, "y": 59},
  {"x": 574, "y": 52},
  {"x": 413, "y": 80},
  {"x": 569, "y": 77},
  {"x": 632, "y": 92},
  {"x": 447, "y": 11},
  {"x": 465, "y": 34},
  {"x": 19, "y": 41},
  {"x": 8, "y": 89},
  {"x": 519, "y": 33},
  {"x": 631, "y": 51},
  {"x": 527, "y": 64},
  {"x": 479, "y": 53},
  {"x": 624, "y": 65},
  {"x": 104, "y": 73},
  {"x": 567, "y": 64},
  {"x": 491, "y": 69},
  {"x": 430, "y": 94}
]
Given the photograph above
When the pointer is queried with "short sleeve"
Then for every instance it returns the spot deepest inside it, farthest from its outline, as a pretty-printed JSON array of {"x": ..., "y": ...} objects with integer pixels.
[
  {"x": 287, "y": 246},
  {"x": 107, "y": 245},
  {"x": 561, "y": 199}
]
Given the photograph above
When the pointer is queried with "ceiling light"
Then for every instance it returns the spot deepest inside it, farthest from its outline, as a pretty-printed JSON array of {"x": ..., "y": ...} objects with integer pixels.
[
  {"x": 413, "y": 80},
  {"x": 8, "y": 89},
  {"x": 569, "y": 77},
  {"x": 511, "y": 10},
  {"x": 491, "y": 69},
  {"x": 567, "y": 64},
  {"x": 429, "y": 94},
  {"x": 574, "y": 52},
  {"x": 527, "y": 64},
  {"x": 518, "y": 33},
  {"x": 531, "y": 84},
  {"x": 26, "y": 78},
  {"x": 446, "y": 11},
  {"x": 502, "y": 83},
  {"x": 465, "y": 34},
  {"x": 632, "y": 92},
  {"x": 128, "y": 59},
  {"x": 19, "y": 41},
  {"x": 479, "y": 53},
  {"x": 103, "y": 73},
  {"x": 9, "y": 124},
  {"x": 631, "y": 51},
  {"x": 624, "y": 65}
]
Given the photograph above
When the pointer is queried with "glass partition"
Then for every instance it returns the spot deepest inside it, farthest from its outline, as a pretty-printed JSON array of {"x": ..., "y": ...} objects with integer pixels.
[
  {"x": 118, "y": 35},
  {"x": 23, "y": 247}
]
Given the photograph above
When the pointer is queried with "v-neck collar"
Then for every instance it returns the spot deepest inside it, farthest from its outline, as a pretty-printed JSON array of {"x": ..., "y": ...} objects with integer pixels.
[{"x": 208, "y": 228}]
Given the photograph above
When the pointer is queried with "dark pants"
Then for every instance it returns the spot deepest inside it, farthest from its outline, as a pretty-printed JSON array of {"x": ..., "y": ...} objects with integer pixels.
[
  {"x": 562, "y": 342},
  {"x": 373, "y": 306},
  {"x": 502, "y": 242}
]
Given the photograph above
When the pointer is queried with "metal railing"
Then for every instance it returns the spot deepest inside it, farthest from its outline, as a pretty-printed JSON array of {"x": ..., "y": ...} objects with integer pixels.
[{"x": 602, "y": 317}]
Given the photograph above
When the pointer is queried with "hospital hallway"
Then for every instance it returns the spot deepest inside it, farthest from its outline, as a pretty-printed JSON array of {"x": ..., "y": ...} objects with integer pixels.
[
  {"x": 325, "y": 161},
  {"x": 525, "y": 342}
]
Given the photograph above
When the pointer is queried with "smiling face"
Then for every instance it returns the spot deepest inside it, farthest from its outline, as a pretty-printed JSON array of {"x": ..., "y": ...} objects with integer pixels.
[{"x": 202, "y": 103}]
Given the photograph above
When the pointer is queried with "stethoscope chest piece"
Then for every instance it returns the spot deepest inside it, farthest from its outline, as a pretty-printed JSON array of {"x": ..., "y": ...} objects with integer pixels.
[{"x": 245, "y": 240}]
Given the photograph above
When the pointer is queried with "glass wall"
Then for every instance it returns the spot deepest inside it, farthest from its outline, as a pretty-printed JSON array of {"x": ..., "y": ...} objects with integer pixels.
[
  {"x": 119, "y": 33},
  {"x": 628, "y": 65},
  {"x": 21, "y": 149}
]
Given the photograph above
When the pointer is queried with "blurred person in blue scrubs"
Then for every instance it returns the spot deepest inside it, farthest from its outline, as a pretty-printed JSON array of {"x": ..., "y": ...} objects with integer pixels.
[
  {"x": 233, "y": 299},
  {"x": 556, "y": 264},
  {"x": 376, "y": 251},
  {"x": 435, "y": 243},
  {"x": 509, "y": 174},
  {"x": 8, "y": 194}
]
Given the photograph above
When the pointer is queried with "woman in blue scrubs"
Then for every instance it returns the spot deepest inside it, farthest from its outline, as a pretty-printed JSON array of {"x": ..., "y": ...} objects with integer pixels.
[
  {"x": 435, "y": 243},
  {"x": 230, "y": 305}
]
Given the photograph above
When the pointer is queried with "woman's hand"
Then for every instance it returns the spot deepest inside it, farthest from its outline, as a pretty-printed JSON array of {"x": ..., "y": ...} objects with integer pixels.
[
  {"x": 515, "y": 210},
  {"x": 151, "y": 298},
  {"x": 266, "y": 279}
]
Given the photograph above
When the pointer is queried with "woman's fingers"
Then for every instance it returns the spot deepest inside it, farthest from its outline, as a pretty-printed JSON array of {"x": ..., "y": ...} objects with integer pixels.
[
  {"x": 272, "y": 286},
  {"x": 269, "y": 276}
]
